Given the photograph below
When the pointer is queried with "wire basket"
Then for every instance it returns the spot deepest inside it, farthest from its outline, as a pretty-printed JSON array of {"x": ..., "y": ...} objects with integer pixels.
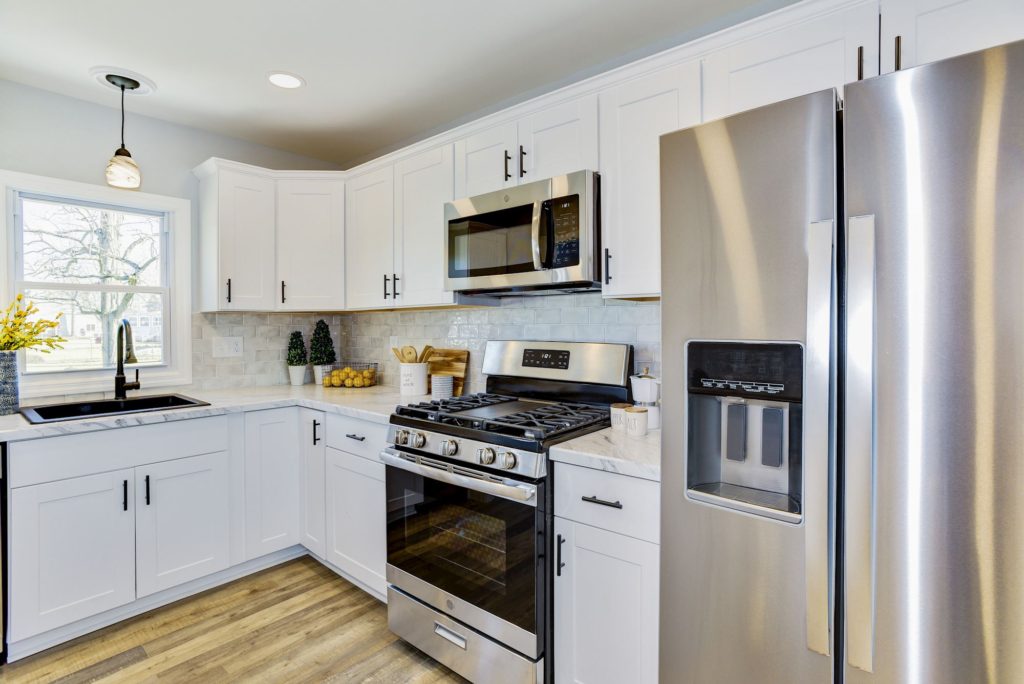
[{"x": 351, "y": 374}]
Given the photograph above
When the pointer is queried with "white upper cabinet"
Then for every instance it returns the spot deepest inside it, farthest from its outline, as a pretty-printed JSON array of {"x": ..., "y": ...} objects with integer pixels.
[
  {"x": 922, "y": 31},
  {"x": 549, "y": 142},
  {"x": 181, "y": 521},
  {"x": 557, "y": 140},
  {"x": 311, "y": 244},
  {"x": 822, "y": 52},
  {"x": 236, "y": 245},
  {"x": 423, "y": 183},
  {"x": 485, "y": 161},
  {"x": 633, "y": 117},
  {"x": 369, "y": 239}
]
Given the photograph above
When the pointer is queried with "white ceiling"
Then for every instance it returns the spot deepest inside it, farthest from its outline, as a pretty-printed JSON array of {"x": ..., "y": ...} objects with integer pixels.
[{"x": 379, "y": 73}]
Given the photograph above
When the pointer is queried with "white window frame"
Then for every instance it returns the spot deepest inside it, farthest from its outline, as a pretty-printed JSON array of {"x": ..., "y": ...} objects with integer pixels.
[{"x": 177, "y": 366}]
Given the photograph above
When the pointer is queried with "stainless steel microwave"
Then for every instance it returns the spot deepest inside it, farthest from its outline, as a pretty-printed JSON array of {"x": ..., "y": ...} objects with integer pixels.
[{"x": 536, "y": 238}]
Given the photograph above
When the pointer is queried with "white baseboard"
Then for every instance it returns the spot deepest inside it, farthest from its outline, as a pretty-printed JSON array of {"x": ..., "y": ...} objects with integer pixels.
[{"x": 41, "y": 642}]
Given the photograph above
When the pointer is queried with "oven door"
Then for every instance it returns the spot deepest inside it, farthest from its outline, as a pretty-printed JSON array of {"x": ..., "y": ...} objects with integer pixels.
[{"x": 470, "y": 544}]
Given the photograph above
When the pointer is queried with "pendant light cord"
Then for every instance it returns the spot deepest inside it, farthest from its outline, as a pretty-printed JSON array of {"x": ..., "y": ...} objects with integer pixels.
[{"x": 122, "y": 116}]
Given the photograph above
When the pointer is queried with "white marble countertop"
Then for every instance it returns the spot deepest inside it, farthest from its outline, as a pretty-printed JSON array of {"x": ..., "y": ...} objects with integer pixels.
[
  {"x": 372, "y": 403},
  {"x": 615, "y": 452}
]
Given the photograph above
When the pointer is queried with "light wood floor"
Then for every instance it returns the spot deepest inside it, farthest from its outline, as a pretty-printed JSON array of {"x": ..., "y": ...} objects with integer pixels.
[{"x": 297, "y": 622}]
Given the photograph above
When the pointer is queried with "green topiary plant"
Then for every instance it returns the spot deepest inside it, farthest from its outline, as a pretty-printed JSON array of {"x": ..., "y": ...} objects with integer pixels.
[
  {"x": 321, "y": 346},
  {"x": 296, "y": 350}
]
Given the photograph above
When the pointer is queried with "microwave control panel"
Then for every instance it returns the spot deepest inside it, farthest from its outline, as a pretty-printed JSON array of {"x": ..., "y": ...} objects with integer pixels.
[
  {"x": 565, "y": 221},
  {"x": 546, "y": 358}
]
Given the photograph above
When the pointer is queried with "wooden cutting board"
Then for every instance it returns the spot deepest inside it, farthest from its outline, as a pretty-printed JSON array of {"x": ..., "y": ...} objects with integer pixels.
[{"x": 451, "y": 362}]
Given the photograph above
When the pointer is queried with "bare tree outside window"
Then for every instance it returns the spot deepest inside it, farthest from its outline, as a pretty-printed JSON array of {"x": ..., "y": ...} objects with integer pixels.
[{"x": 98, "y": 265}]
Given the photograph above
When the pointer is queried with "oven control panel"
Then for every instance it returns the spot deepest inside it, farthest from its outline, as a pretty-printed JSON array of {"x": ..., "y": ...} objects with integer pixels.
[{"x": 546, "y": 358}]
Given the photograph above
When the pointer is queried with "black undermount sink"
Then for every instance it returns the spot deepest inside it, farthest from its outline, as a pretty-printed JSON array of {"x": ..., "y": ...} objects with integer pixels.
[{"x": 52, "y": 413}]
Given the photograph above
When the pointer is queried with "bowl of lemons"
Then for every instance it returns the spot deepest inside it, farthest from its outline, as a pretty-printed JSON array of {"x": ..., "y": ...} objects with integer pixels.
[{"x": 351, "y": 375}]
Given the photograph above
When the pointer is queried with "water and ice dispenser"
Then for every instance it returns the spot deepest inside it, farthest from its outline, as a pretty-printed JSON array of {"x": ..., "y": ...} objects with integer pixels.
[{"x": 744, "y": 423}]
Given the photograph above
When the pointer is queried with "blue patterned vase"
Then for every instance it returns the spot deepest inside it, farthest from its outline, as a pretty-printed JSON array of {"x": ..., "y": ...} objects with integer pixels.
[{"x": 8, "y": 382}]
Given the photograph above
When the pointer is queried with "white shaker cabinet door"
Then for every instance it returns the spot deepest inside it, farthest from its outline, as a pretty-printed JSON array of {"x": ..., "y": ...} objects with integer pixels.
[
  {"x": 423, "y": 183},
  {"x": 313, "y": 449},
  {"x": 182, "y": 526},
  {"x": 356, "y": 519},
  {"x": 72, "y": 548},
  {"x": 310, "y": 244},
  {"x": 606, "y": 607},
  {"x": 634, "y": 115},
  {"x": 558, "y": 140},
  {"x": 245, "y": 235},
  {"x": 486, "y": 161},
  {"x": 272, "y": 467},
  {"x": 824, "y": 52},
  {"x": 369, "y": 239},
  {"x": 920, "y": 31}
]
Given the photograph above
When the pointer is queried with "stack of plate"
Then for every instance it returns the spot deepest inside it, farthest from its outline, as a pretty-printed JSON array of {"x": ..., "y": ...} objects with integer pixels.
[{"x": 441, "y": 386}]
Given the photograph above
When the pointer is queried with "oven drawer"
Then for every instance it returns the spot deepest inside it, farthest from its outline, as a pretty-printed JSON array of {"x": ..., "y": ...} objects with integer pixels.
[
  {"x": 617, "y": 503},
  {"x": 356, "y": 436},
  {"x": 471, "y": 654}
]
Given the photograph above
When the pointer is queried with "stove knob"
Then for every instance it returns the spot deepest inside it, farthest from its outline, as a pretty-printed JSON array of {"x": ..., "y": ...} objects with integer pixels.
[
  {"x": 401, "y": 437},
  {"x": 449, "y": 447},
  {"x": 485, "y": 455},
  {"x": 418, "y": 440},
  {"x": 508, "y": 460}
]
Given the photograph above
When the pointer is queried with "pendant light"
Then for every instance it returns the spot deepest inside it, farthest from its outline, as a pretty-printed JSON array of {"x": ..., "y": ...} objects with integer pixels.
[{"x": 122, "y": 171}]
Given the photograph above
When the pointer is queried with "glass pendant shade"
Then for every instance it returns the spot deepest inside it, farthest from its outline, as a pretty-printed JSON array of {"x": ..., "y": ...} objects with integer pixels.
[{"x": 122, "y": 171}]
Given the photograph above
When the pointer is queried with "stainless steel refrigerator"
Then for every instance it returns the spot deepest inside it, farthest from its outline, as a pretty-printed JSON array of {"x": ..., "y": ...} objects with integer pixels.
[{"x": 843, "y": 384}]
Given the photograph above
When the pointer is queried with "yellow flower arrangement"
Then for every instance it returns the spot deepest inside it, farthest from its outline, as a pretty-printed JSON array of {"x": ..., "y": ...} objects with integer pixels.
[{"x": 17, "y": 332}]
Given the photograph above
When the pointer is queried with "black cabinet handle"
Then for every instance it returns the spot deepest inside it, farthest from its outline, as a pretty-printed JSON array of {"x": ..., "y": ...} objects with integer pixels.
[
  {"x": 558, "y": 556},
  {"x": 522, "y": 161},
  {"x": 602, "y": 502},
  {"x": 607, "y": 271},
  {"x": 386, "y": 280},
  {"x": 508, "y": 158},
  {"x": 124, "y": 495},
  {"x": 282, "y": 292},
  {"x": 316, "y": 424},
  {"x": 147, "y": 490},
  {"x": 358, "y": 438},
  {"x": 860, "y": 62},
  {"x": 229, "y": 290},
  {"x": 899, "y": 52},
  {"x": 394, "y": 285}
]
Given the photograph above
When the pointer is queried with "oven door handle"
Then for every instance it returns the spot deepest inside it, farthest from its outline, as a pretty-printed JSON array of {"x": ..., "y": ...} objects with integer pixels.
[{"x": 509, "y": 489}]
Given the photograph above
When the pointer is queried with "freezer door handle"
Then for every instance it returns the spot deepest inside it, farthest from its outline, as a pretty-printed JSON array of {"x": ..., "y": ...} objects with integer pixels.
[
  {"x": 860, "y": 449},
  {"x": 816, "y": 443}
]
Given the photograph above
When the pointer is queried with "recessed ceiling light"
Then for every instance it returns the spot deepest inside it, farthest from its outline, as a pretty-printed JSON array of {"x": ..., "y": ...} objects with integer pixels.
[{"x": 285, "y": 80}]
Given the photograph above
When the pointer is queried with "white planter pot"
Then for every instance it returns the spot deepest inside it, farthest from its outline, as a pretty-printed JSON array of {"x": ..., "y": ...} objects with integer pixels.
[
  {"x": 297, "y": 374},
  {"x": 318, "y": 373}
]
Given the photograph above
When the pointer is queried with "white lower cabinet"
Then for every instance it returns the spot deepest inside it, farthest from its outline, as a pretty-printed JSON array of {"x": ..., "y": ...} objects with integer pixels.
[
  {"x": 272, "y": 467},
  {"x": 181, "y": 521},
  {"x": 606, "y": 606},
  {"x": 72, "y": 548},
  {"x": 356, "y": 519},
  {"x": 313, "y": 451}
]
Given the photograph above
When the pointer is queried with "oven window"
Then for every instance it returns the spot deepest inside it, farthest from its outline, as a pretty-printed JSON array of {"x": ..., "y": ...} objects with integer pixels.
[
  {"x": 495, "y": 243},
  {"x": 481, "y": 548}
]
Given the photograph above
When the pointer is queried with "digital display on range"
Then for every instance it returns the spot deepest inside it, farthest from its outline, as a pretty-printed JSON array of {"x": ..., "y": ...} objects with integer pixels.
[{"x": 546, "y": 358}]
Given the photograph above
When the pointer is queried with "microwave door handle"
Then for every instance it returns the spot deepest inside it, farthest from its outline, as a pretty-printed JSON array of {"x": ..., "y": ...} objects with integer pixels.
[{"x": 538, "y": 264}]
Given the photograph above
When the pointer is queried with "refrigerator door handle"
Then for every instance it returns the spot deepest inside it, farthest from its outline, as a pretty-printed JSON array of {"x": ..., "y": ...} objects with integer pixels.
[
  {"x": 816, "y": 443},
  {"x": 860, "y": 443}
]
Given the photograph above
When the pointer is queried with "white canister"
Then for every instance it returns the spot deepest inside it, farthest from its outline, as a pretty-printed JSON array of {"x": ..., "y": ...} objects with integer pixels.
[
  {"x": 413, "y": 379},
  {"x": 619, "y": 416},
  {"x": 441, "y": 386},
  {"x": 636, "y": 421}
]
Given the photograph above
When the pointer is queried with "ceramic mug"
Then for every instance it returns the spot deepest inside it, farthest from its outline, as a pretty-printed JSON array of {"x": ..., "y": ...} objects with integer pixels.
[
  {"x": 619, "y": 416},
  {"x": 636, "y": 421}
]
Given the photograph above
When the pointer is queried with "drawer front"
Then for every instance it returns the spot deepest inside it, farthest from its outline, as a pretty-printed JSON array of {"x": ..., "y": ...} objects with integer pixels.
[
  {"x": 618, "y": 503},
  {"x": 359, "y": 437}
]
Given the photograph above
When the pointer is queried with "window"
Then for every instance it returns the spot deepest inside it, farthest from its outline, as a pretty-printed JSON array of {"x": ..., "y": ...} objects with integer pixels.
[
  {"x": 97, "y": 264},
  {"x": 98, "y": 255}
]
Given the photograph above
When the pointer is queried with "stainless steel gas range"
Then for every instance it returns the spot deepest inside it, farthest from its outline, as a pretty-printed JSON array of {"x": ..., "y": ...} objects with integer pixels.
[{"x": 470, "y": 505}]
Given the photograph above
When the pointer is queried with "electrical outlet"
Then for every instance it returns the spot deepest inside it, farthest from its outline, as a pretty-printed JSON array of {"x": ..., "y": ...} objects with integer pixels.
[{"x": 227, "y": 347}]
